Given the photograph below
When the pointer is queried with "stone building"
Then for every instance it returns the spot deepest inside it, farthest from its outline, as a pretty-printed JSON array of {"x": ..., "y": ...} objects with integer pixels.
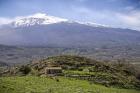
[{"x": 53, "y": 70}]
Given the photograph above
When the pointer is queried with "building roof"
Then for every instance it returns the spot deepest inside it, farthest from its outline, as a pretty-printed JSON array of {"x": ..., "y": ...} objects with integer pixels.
[{"x": 53, "y": 68}]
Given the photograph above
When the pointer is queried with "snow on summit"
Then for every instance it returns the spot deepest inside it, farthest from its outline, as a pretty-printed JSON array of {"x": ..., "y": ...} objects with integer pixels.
[
  {"x": 38, "y": 18},
  {"x": 44, "y": 19}
]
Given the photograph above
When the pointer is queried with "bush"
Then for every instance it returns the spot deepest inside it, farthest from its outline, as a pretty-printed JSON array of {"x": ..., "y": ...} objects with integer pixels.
[{"x": 25, "y": 70}]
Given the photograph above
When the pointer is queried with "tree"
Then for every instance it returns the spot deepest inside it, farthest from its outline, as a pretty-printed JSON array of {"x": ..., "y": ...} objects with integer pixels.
[{"x": 25, "y": 69}]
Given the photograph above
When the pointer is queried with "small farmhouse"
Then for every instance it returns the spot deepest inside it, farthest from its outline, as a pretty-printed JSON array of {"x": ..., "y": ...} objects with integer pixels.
[{"x": 53, "y": 70}]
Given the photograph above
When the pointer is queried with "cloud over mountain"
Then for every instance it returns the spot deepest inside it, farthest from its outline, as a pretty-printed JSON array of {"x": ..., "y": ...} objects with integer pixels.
[{"x": 116, "y": 13}]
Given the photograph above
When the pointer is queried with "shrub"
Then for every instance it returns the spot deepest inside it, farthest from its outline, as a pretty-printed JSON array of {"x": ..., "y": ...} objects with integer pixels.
[{"x": 25, "y": 70}]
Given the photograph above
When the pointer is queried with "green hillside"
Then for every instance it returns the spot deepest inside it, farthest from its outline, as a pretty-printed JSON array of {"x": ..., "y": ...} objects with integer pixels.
[
  {"x": 117, "y": 75},
  {"x": 33, "y": 84}
]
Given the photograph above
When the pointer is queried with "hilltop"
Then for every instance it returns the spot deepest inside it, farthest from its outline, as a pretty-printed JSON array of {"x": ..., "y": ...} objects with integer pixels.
[{"x": 108, "y": 74}]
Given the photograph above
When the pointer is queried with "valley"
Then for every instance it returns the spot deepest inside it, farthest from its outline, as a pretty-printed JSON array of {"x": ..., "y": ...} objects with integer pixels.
[{"x": 13, "y": 55}]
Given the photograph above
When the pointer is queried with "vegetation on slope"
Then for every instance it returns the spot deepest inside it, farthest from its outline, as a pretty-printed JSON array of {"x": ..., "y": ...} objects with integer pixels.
[
  {"x": 118, "y": 75},
  {"x": 33, "y": 84}
]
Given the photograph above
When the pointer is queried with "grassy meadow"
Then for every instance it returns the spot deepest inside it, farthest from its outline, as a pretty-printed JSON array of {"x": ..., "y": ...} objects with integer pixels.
[{"x": 34, "y": 84}]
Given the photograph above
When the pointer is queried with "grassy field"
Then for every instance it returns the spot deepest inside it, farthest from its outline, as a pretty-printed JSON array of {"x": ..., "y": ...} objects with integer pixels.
[{"x": 32, "y": 84}]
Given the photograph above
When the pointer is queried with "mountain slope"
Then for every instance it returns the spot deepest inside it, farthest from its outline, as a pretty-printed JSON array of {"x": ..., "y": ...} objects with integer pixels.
[
  {"x": 65, "y": 34},
  {"x": 61, "y": 36}
]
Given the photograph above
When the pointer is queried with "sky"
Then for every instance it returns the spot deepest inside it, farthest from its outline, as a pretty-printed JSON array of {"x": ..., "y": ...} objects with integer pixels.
[{"x": 115, "y": 13}]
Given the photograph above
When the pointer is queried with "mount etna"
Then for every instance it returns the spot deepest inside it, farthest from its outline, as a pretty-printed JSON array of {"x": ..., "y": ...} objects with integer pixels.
[{"x": 41, "y": 34}]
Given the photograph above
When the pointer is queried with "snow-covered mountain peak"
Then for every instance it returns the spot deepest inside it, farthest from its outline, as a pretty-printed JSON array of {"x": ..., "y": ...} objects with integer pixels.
[
  {"x": 38, "y": 18},
  {"x": 44, "y": 19}
]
